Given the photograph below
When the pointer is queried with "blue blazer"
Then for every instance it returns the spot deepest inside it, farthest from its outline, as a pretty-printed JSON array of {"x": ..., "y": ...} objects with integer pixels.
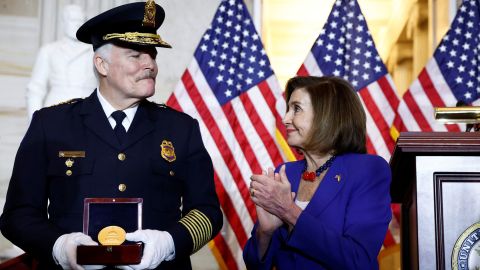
[
  {"x": 170, "y": 188},
  {"x": 343, "y": 226}
]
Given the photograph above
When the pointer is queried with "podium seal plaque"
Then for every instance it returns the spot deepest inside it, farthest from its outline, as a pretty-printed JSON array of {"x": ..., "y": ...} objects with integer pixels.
[{"x": 466, "y": 252}]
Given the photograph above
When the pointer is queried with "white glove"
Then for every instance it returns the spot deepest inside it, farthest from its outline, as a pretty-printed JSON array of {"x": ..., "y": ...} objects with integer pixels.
[
  {"x": 65, "y": 250},
  {"x": 158, "y": 247}
]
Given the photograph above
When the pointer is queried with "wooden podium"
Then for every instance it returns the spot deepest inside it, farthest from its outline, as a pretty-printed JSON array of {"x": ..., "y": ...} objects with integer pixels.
[{"x": 436, "y": 178}]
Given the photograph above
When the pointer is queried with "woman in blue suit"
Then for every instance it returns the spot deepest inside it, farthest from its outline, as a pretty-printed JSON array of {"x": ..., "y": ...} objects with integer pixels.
[{"x": 330, "y": 210}]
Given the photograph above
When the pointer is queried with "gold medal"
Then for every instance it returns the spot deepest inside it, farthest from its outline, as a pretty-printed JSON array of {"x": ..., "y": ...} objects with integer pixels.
[{"x": 111, "y": 236}]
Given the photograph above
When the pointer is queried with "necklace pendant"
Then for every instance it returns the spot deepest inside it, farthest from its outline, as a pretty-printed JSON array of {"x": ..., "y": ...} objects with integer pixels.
[{"x": 308, "y": 176}]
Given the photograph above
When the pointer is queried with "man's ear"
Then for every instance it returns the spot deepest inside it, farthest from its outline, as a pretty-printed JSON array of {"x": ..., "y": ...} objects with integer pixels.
[{"x": 101, "y": 65}]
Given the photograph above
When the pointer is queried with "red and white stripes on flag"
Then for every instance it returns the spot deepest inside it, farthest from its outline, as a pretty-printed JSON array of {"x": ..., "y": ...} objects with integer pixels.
[
  {"x": 231, "y": 90},
  {"x": 452, "y": 75},
  {"x": 416, "y": 109},
  {"x": 346, "y": 49},
  {"x": 231, "y": 134}
]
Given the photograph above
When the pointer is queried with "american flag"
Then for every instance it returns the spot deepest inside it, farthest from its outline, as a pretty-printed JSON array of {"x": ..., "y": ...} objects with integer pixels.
[
  {"x": 451, "y": 75},
  {"x": 346, "y": 49},
  {"x": 231, "y": 89}
]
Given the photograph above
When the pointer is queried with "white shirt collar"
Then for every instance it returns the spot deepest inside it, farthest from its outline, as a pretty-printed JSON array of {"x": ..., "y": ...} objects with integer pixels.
[{"x": 109, "y": 109}]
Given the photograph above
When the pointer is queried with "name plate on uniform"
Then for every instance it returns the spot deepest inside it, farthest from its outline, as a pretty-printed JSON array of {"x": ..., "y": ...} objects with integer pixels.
[{"x": 107, "y": 220}]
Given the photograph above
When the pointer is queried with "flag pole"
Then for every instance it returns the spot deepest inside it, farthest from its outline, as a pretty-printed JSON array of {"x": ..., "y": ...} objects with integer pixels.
[{"x": 257, "y": 16}]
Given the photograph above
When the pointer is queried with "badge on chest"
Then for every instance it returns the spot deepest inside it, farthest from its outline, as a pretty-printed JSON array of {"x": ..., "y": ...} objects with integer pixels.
[{"x": 168, "y": 151}]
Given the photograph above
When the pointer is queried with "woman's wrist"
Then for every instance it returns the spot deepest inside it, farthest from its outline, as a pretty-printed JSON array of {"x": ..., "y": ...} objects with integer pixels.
[
  {"x": 263, "y": 242},
  {"x": 291, "y": 214},
  {"x": 264, "y": 232}
]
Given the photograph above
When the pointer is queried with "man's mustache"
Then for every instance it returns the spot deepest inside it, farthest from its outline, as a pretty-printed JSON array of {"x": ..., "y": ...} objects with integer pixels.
[{"x": 148, "y": 74}]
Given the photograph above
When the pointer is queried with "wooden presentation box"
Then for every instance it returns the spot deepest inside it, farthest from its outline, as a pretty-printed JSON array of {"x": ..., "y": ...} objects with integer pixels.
[{"x": 99, "y": 213}]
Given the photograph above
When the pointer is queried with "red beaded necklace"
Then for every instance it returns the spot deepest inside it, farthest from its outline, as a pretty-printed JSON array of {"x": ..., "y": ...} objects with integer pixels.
[{"x": 310, "y": 176}]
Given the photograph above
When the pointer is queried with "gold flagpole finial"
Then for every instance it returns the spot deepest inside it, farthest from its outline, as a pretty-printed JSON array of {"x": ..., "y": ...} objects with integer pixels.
[{"x": 149, "y": 15}]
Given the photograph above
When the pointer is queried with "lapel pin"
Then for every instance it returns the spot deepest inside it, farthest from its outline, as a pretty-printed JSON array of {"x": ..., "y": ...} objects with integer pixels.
[
  {"x": 69, "y": 162},
  {"x": 338, "y": 177}
]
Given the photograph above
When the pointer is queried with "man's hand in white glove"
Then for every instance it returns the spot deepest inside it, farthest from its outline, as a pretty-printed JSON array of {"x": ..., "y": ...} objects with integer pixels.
[
  {"x": 158, "y": 247},
  {"x": 65, "y": 250}
]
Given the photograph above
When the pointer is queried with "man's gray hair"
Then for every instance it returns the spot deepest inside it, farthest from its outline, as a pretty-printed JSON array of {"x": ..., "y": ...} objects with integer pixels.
[{"x": 104, "y": 52}]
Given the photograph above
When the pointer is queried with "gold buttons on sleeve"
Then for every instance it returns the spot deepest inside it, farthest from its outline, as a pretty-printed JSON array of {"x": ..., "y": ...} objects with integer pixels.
[
  {"x": 68, "y": 172},
  {"x": 122, "y": 187},
  {"x": 172, "y": 173},
  {"x": 121, "y": 156}
]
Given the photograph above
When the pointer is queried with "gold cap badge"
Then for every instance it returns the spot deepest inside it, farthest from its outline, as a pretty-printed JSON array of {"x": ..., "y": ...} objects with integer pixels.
[
  {"x": 149, "y": 15},
  {"x": 168, "y": 152}
]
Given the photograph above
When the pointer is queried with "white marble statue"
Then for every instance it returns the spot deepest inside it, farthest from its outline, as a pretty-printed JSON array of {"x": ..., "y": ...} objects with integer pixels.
[{"x": 63, "y": 69}]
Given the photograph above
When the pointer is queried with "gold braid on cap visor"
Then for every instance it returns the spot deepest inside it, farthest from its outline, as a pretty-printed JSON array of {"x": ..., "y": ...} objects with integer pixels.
[{"x": 142, "y": 38}]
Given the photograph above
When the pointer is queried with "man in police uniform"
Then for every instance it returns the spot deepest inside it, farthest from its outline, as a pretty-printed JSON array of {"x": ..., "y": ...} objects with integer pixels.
[{"x": 114, "y": 143}]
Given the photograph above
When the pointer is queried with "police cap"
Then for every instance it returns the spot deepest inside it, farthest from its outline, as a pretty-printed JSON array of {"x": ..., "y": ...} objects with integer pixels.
[{"x": 133, "y": 24}]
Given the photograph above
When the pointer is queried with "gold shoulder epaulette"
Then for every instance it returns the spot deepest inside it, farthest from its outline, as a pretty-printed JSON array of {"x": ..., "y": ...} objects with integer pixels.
[{"x": 70, "y": 101}]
